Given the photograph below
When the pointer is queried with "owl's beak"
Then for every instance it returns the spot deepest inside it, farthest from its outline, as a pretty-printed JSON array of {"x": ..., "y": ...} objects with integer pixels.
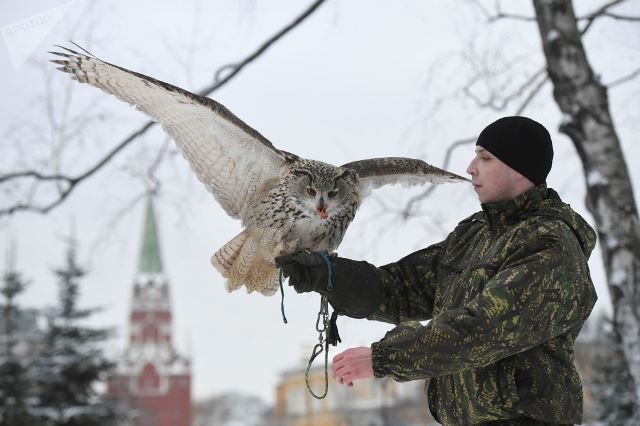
[
  {"x": 322, "y": 213},
  {"x": 321, "y": 209}
]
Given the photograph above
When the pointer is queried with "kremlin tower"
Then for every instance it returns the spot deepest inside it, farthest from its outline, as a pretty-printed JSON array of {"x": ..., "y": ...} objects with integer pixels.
[{"x": 152, "y": 380}]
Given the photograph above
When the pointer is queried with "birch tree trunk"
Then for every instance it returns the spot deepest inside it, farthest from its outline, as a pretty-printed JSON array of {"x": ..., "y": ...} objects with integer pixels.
[{"x": 587, "y": 121}]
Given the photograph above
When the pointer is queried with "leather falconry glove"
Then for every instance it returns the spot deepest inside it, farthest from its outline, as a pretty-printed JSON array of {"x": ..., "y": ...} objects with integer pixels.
[{"x": 356, "y": 286}]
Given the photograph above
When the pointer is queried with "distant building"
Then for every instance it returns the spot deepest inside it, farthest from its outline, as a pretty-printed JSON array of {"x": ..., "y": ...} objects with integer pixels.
[
  {"x": 152, "y": 381},
  {"x": 371, "y": 402}
]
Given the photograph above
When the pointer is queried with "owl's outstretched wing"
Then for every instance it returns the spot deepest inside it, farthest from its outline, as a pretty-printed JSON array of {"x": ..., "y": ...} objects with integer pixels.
[
  {"x": 376, "y": 172},
  {"x": 227, "y": 155}
]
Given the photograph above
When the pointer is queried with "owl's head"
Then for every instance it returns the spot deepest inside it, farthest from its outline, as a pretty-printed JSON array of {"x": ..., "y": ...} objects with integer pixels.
[{"x": 323, "y": 190}]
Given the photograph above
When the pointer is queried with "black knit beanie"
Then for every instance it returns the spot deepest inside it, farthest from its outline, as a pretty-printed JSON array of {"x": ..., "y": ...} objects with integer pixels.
[{"x": 522, "y": 144}]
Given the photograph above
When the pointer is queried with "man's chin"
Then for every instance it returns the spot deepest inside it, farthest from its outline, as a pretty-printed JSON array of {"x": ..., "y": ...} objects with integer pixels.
[{"x": 484, "y": 199}]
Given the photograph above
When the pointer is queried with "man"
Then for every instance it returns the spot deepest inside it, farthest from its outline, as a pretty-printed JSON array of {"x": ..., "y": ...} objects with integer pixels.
[{"x": 507, "y": 293}]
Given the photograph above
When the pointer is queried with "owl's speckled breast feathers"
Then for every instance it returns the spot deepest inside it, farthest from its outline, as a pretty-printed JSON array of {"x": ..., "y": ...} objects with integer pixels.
[{"x": 286, "y": 203}]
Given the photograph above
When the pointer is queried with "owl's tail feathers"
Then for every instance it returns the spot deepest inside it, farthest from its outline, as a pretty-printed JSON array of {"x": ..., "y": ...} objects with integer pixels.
[
  {"x": 251, "y": 269},
  {"x": 269, "y": 282},
  {"x": 243, "y": 261},
  {"x": 224, "y": 258}
]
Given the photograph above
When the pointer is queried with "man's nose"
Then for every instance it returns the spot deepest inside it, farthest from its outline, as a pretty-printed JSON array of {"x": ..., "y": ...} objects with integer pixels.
[{"x": 471, "y": 169}]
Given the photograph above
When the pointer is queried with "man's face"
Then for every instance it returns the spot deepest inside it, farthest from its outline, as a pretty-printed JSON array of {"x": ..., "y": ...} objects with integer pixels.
[{"x": 492, "y": 180}]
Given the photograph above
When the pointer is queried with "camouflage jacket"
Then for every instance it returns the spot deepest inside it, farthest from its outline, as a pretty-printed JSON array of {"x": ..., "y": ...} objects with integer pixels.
[{"x": 507, "y": 293}]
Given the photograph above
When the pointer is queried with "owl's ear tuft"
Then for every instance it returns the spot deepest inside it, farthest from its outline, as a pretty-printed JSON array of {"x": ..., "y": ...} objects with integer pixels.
[
  {"x": 301, "y": 174},
  {"x": 290, "y": 158},
  {"x": 348, "y": 174}
]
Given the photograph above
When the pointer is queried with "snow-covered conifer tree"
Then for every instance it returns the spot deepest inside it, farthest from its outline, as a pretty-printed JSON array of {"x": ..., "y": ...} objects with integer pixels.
[
  {"x": 14, "y": 385},
  {"x": 72, "y": 364}
]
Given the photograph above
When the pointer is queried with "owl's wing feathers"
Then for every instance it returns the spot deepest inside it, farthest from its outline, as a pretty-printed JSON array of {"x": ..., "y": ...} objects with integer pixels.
[
  {"x": 376, "y": 172},
  {"x": 227, "y": 155}
]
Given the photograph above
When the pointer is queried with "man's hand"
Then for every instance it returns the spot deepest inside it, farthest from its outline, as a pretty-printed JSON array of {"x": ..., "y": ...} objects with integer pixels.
[
  {"x": 356, "y": 287},
  {"x": 352, "y": 364},
  {"x": 306, "y": 271}
]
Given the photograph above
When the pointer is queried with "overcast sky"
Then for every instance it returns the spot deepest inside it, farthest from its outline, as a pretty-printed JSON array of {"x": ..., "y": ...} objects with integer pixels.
[{"x": 359, "y": 79}]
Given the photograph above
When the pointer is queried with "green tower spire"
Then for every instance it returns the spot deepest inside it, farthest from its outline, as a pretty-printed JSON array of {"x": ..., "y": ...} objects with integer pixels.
[{"x": 150, "y": 261}]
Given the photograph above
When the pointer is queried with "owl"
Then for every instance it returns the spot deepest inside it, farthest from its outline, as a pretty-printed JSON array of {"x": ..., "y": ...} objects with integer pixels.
[{"x": 286, "y": 203}]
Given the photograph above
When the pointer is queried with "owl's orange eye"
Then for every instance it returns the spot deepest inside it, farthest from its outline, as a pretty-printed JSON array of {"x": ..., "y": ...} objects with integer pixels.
[{"x": 311, "y": 191}]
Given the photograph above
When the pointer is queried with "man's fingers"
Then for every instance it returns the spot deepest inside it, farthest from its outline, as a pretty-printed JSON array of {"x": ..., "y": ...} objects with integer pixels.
[
  {"x": 347, "y": 379},
  {"x": 338, "y": 371},
  {"x": 351, "y": 365},
  {"x": 307, "y": 258},
  {"x": 337, "y": 364},
  {"x": 283, "y": 260}
]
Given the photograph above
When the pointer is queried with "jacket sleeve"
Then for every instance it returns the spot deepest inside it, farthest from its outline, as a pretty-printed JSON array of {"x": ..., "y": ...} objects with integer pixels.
[
  {"x": 409, "y": 287},
  {"x": 542, "y": 291}
]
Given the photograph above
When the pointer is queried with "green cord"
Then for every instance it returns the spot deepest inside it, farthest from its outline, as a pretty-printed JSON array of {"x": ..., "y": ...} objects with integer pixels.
[
  {"x": 323, "y": 314},
  {"x": 314, "y": 354},
  {"x": 284, "y": 317}
]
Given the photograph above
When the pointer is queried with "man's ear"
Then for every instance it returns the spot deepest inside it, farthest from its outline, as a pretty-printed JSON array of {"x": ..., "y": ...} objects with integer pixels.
[{"x": 517, "y": 176}]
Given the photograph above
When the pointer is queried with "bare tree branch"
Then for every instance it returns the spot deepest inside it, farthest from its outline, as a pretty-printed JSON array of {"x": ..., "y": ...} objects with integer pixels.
[
  {"x": 532, "y": 95},
  {"x": 189, "y": 50},
  {"x": 152, "y": 180},
  {"x": 621, "y": 17},
  {"x": 624, "y": 79},
  {"x": 72, "y": 182},
  {"x": 236, "y": 68},
  {"x": 499, "y": 14},
  {"x": 407, "y": 212},
  {"x": 500, "y": 104},
  {"x": 600, "y": 12},
  {"x": 602, "y": 9},
  {"x": 480, "y": 6}
]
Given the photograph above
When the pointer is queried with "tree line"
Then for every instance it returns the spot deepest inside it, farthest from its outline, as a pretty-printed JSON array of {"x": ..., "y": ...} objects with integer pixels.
[{"x": 50, "y": 375}]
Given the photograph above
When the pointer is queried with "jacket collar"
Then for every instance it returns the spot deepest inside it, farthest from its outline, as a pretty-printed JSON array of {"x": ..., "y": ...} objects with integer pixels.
[{"x": 503, "y": 213}]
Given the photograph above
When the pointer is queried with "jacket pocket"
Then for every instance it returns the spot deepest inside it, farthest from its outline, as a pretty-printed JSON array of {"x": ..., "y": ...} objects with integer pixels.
[{"x": 507, "y": 371}]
